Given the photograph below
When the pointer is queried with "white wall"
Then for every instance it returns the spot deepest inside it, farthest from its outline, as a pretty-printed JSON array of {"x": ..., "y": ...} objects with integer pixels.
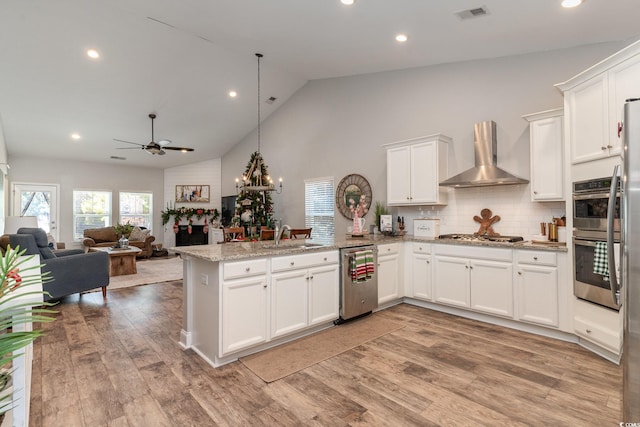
[
  {"x": 72, "y": 176},
  {"x": 201, "y": 173},
  {"x": 337, "y": 126}
]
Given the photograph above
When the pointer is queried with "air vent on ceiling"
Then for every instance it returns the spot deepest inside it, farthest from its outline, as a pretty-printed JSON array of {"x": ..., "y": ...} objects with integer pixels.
[
  {"x": 475, "y": 12},
  {"x": 118, "y": 158}
]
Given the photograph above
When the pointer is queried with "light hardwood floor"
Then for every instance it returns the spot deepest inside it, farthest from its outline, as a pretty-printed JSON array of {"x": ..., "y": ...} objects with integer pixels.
[{"x": 119, "y": 364}]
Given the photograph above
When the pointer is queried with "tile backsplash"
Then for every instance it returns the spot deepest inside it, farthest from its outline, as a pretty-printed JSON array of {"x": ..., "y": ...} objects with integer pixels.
[{"x": 519, "y": 216}]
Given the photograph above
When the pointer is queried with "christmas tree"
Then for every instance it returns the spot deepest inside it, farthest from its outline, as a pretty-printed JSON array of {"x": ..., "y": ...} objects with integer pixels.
[{"x": 253, "y": 204}]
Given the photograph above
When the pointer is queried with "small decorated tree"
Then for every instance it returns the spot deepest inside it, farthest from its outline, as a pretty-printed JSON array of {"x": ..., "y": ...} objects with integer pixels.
[{"x": 254, "y": 205}]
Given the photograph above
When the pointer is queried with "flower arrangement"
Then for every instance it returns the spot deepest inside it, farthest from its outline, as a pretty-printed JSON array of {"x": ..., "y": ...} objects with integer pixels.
[
  {"x": 15, "y": 309},
  {"x": 361, "y": 208},
  {"x": 187, "y": 213}
]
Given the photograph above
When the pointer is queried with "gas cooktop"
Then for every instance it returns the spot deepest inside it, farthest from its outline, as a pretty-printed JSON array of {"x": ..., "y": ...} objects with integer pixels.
[{"x": 473, "y": 237}]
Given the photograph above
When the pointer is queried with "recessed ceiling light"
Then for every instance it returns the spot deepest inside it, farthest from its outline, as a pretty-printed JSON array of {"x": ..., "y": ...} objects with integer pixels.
[
  {"x": 233, "y": 94},
  {"x": 93, "y": 54},
  {"x": 401, "y": 38},
  {"x": 348, "y": 2},
  {"x": 571, "y": 3},
  {"x": 75, "y": 136}
]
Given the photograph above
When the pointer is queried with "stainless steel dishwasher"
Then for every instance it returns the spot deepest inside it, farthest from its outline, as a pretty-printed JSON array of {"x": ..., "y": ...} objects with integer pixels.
[{"x": 360, "y": 296}]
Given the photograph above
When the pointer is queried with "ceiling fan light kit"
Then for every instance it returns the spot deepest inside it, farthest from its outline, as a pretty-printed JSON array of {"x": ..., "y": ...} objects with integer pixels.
[{"x": 154, "y": 147}]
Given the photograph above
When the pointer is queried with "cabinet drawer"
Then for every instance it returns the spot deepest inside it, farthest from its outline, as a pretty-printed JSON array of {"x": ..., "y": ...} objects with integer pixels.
[
  {"x": 234, "y": 270},
  {"x": 420, "y": 248},
  {"x": 293, "y": 262},
  {"x": 607, "y": 338},
  {"x": 537, "y": 258},
  {"x": 387, "y": 249}
]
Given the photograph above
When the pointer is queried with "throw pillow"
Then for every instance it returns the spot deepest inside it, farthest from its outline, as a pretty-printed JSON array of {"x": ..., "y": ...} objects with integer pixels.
[{"x": 137, "y": 235}]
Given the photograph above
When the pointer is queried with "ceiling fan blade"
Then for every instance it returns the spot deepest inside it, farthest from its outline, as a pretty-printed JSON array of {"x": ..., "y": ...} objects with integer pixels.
[
  {"x": 128, "y": 142},
  {"x": 131, "y": 148},
  {"x": 163, "y": 142},
  {"x": 183, "y": 149}
]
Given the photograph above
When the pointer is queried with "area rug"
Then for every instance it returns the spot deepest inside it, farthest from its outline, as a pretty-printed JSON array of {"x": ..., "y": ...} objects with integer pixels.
[
  {"x": 149, "y": 271},
  {"x": 284, "y": 360}
]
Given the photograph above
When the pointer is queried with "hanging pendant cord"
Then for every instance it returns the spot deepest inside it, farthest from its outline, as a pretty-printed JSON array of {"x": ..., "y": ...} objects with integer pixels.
[{"x": 259, "y": 55}]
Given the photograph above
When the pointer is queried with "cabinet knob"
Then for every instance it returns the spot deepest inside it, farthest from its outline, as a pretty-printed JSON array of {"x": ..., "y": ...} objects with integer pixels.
[
  {"x": 428, "y": 262},
  {"x": 471, "y": 267},
  {"x": 588, "y": 331},
  {"x": 609, "y": 146},
  {"x": 520, "y": 273},
  {"x": 408, "y": 198},
  {"x": 535, "y": 192},
  {"x": 247, "y": 269},
  {"x": 264, "y": 286},
  {"x": 466, "y": 266},
  {"x": 603, "y": 148},
  {"x": 535, "y": 258},
  {"x": 325, "y": 258},
  {"x": 292, "y": 263},
  {"x": 311, "y": 277}
]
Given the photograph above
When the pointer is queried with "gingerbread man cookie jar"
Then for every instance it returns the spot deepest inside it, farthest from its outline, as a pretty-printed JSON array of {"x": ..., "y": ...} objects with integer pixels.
[{"x": 486, "y": 221}]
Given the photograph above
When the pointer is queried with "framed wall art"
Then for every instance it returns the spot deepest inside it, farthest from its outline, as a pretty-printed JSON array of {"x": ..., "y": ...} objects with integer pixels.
[
  {"x": 349, "y": 191},
  {"x": 192, "y": 193}
]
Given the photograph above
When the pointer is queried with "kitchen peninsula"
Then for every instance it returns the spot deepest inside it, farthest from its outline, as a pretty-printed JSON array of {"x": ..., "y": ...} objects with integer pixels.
[{"x": 244, "y": 297}]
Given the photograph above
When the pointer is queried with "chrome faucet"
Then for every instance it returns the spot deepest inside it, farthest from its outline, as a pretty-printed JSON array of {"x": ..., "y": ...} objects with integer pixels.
[{"x": 277, "y": 234}]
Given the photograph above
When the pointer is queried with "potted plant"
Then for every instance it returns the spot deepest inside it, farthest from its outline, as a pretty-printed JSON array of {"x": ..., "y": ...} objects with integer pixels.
[
  {"x": 17, "y": 296},
  {"x": 380, "y": 210}
]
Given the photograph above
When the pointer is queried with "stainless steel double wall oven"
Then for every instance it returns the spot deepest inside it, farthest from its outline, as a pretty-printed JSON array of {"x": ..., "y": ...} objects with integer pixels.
[{"x": 596, "y": 209}]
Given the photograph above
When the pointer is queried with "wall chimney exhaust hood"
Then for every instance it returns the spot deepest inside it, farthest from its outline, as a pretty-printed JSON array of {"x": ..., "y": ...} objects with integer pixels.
[{"x": 485, "y": 172}]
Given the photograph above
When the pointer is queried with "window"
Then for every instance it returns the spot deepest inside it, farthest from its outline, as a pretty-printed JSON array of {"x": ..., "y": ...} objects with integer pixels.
[
  {"x": 91, "y": 209},
  {"x": 136, "y": 209},
  {"x": 318, "y": 208}
]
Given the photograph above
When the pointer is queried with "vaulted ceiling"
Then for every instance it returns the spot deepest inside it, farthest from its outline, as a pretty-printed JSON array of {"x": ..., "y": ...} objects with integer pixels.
[{"x": 180, "y": 59}]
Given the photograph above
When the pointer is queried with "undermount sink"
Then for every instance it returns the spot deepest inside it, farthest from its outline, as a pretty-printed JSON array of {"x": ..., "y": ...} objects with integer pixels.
[{"x": 291, "y": 245}]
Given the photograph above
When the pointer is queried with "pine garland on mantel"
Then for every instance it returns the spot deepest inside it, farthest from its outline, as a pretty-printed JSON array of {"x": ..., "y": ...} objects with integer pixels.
[{"x": 188, "y": 213}]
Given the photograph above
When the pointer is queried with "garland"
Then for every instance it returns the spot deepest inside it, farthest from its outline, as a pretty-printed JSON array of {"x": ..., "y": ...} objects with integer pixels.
[{"x": 188, "y": 213}]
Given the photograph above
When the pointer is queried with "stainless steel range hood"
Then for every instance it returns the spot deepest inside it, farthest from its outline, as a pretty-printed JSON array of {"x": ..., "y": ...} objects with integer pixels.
[{"x": 485, "y": 172}]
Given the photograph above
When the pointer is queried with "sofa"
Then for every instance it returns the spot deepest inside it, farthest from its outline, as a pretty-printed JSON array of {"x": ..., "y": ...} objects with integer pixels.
[
  {"x": 71, "y": 270},
  {"x": 108, "y": 236}
]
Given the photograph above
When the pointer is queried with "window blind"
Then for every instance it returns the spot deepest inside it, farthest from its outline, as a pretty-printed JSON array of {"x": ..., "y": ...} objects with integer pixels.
[{"x": 319, "y": 208}]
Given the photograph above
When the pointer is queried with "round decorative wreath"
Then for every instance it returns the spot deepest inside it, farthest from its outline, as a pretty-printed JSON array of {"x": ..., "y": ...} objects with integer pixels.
[{"x": 349, "y": 191}]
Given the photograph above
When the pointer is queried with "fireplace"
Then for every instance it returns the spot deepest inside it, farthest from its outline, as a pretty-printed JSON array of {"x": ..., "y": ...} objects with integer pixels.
[{"x": 197, "y": 236}]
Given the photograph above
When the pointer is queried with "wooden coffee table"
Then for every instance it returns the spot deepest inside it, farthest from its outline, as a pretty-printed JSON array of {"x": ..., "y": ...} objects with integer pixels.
[{"x": 121, "y": 261}]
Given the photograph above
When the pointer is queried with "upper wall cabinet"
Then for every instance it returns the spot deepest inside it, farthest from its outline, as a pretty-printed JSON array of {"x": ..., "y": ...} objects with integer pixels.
[
  {"x": 593, "y": 102},
  {"x": 546, "y": 147},
  {"x": 415, "y": 168}
]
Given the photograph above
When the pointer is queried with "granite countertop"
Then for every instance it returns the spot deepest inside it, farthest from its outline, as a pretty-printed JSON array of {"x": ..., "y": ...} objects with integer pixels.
[{"x": 245, "y": 250}]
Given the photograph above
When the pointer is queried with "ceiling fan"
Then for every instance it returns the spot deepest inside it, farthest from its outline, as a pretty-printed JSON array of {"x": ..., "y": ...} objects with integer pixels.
[{"x": 154, "y": 147}]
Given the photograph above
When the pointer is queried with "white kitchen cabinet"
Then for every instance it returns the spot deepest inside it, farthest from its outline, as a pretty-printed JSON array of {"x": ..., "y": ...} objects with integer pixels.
[
  {"x": 491, "y": 287},
  {"x": 289, "y": 308},
  {"x": 451, "y": 281},
  {"x": 304, "y": 291},
  {"x": 598, "y": 325},
  {"x": 538, "y": 288},
  {"x": 593, "y": 103},
  {"x": 420, "y": 271},
  {"x": 389, "y": 272},
  {"x": 244, "y": 313},
  {"x": 324, "y": 294},
  {"x": 546, "y": 153},
  {"x": 415, "y": 168},
  {"x": 474, "y": 277}
]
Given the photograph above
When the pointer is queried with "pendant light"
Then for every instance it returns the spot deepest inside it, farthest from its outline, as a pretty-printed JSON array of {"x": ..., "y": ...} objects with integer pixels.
[{"x": 256, "y": 177}]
